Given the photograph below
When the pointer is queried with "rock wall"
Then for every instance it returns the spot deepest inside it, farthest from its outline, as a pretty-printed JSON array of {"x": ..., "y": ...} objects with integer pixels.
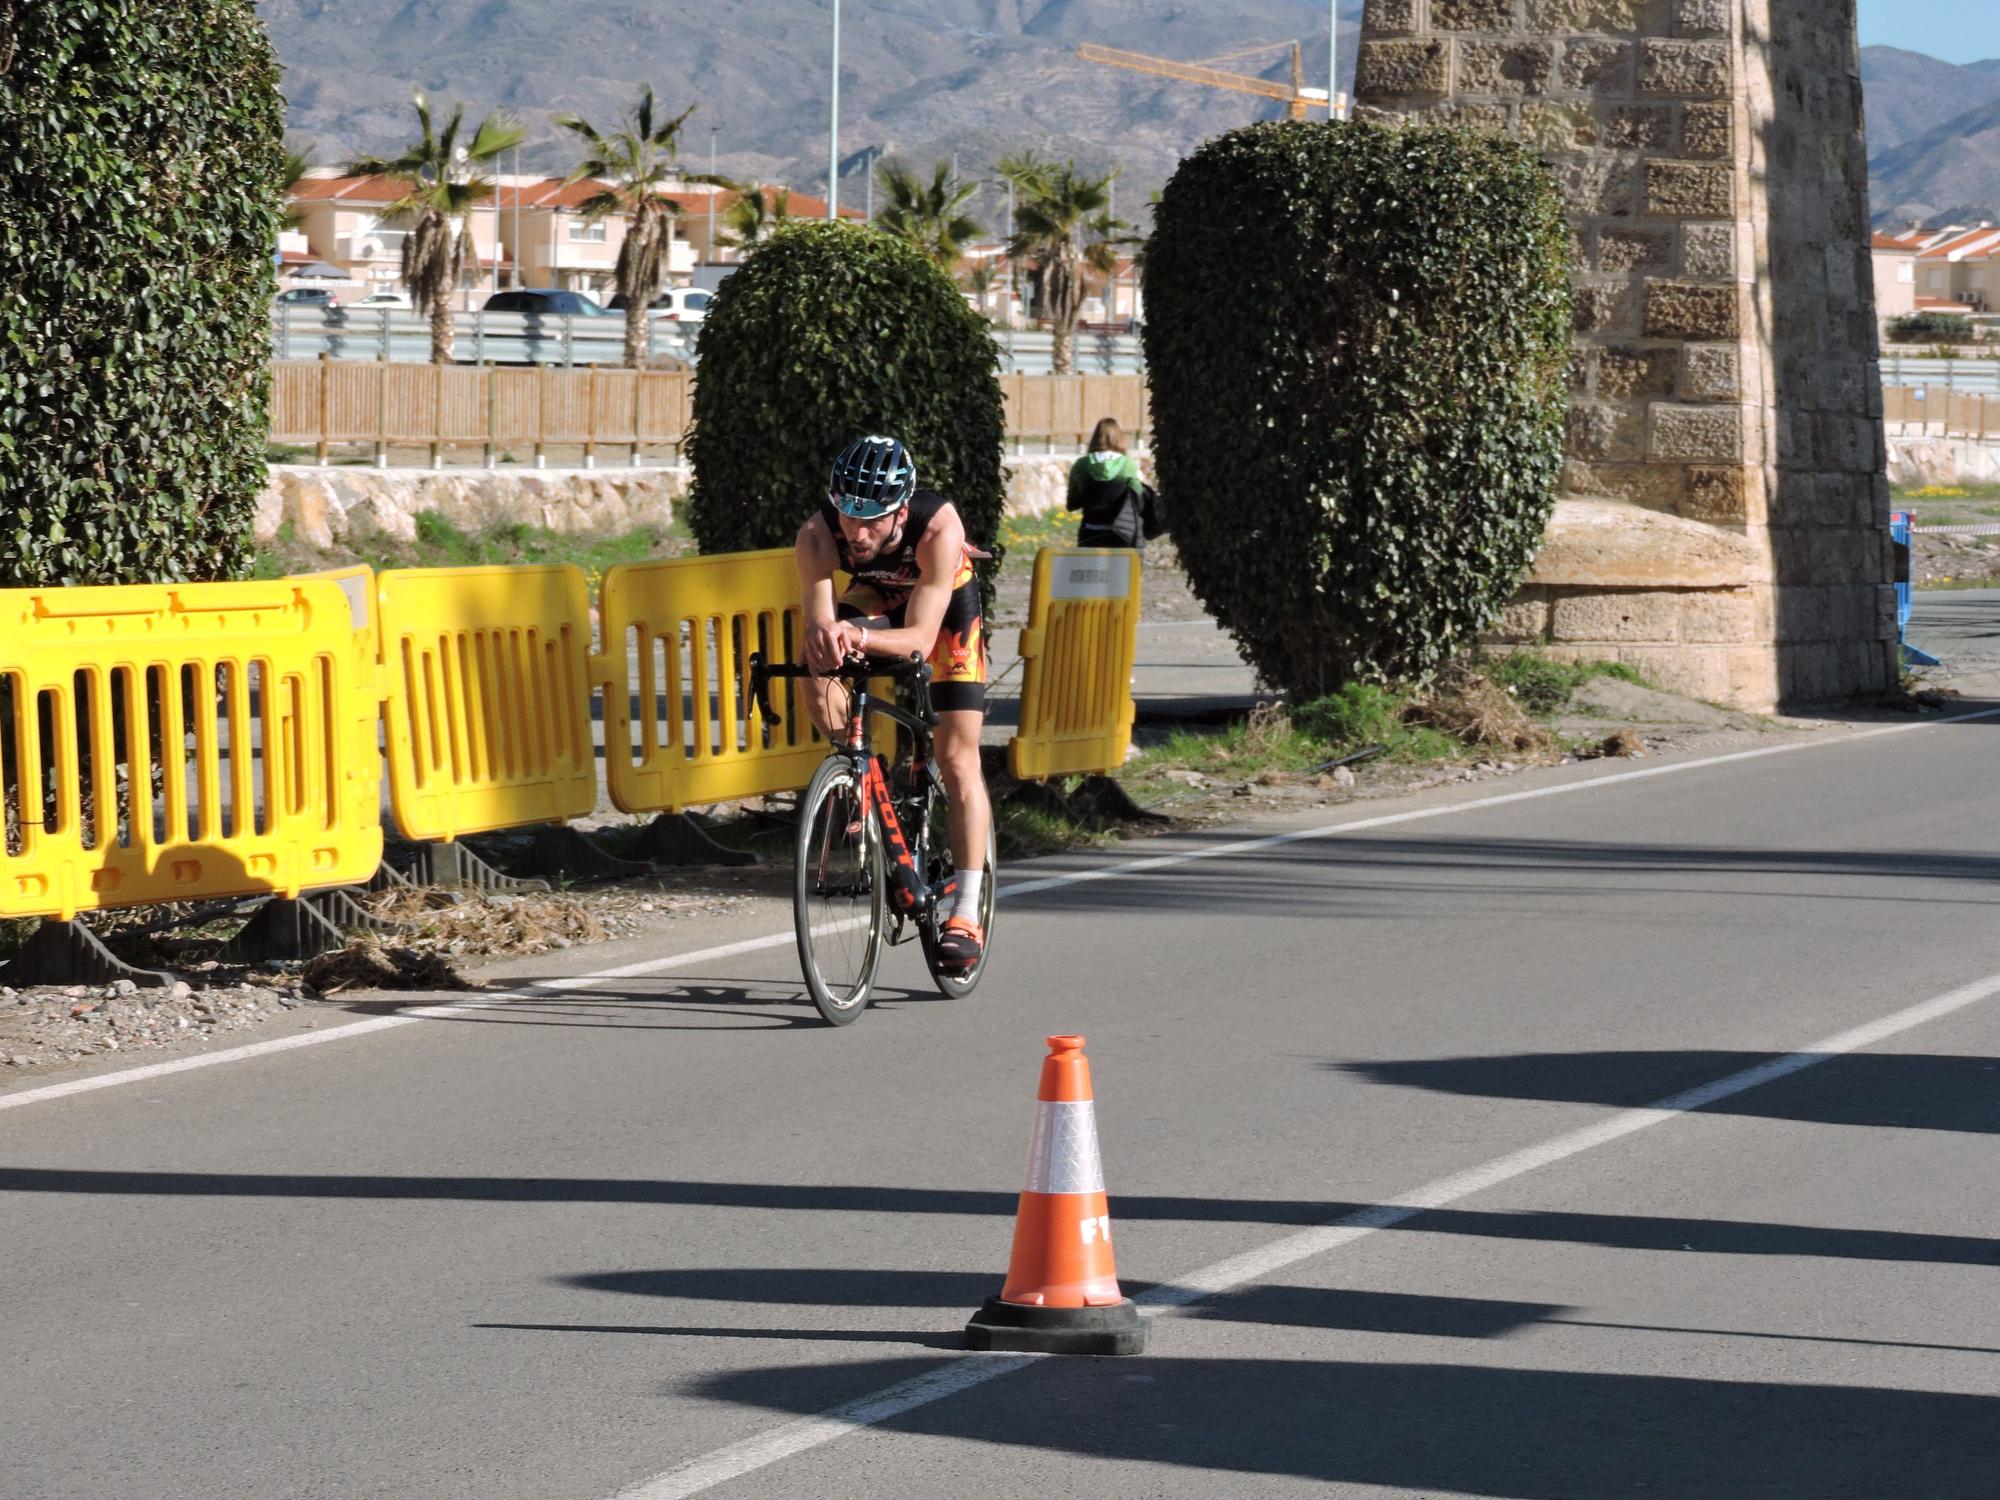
[
  {"x": 336, "y": 505},
  {"x": 1726, "y": 400}
]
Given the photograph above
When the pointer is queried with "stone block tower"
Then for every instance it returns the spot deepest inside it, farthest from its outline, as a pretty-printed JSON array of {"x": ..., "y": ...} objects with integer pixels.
[{"x": 1723, "y": 517}]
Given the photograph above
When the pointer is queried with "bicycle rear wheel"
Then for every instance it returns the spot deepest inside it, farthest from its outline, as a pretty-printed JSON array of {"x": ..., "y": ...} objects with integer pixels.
[
  {"x": 837, "y": 893},
  {"x": 954, "y": 983}
]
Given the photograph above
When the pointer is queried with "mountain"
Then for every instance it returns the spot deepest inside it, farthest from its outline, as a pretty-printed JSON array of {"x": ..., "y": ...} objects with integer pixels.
[
  {"x": 929, "y": 78},
  {"x": 1947, "y": 175},
  {"x": 936, "y": 79}
]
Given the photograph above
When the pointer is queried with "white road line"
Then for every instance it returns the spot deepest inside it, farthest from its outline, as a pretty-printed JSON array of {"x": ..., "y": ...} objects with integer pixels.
[
  {"x": 969, "y": 1370},
  {"x": 1019, "y": 888}
]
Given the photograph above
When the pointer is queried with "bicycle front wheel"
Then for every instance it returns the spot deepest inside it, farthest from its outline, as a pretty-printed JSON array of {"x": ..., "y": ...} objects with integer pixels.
[{"x": 837, "y": 893}]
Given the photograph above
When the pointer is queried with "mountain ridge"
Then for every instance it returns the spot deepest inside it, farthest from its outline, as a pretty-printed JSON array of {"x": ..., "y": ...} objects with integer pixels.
[{"x": 974, "y": 79}]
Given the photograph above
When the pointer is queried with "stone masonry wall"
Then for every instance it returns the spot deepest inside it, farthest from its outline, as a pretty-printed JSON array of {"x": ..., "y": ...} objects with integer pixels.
[{"x": 1724, "y": 384}]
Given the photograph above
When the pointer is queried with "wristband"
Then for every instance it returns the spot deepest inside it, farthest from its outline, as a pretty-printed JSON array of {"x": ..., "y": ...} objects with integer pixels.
[{"x": 863, "y": 647}]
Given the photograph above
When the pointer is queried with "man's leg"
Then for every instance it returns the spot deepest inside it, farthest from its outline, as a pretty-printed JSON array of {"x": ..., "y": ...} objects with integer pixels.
[{"x": 957, "y": 746}]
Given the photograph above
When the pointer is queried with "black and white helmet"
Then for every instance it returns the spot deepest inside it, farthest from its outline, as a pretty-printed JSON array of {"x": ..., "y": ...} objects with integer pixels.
[{"x": 873, "y": 477}]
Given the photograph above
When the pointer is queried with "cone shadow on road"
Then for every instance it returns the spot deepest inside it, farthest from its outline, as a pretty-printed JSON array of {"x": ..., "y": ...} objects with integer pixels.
[
  {"x": 1909, "y": 1091},
  {"x": 1437, "y": 1428},
  {"x": 1290, "y": 1306},
  {"x": 1611, "y": 1231}
]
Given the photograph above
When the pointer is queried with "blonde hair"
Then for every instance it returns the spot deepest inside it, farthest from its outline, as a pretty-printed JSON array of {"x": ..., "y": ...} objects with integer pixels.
[{"x": 1107, "y": 434}]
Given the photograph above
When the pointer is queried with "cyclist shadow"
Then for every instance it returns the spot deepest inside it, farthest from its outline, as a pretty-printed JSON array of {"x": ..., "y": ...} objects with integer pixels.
[{"x": 656, "y": 1007}]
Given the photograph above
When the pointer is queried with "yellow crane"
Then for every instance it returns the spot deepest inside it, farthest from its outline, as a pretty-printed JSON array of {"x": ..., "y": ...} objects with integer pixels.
[{"x": 1296, "y": 98}]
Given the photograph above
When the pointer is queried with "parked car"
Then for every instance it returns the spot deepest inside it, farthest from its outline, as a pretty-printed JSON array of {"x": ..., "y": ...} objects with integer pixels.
[
  {"x": 547, "y": 303},
  {"x": 680, "y": 304},
  {"x": 385, "y": 298},
  {"x": 309, "y": 296}
]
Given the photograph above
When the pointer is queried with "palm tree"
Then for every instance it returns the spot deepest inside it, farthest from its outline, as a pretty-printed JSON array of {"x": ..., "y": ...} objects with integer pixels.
[
  {"x": 753, "y": 217},
  {"x": 635, "y": 161},
  {"x": 927, "y": 214},
  {"x": 980, "y": 281},
  {"x": 293, "y": 168},
  {"x": 446, "y": 181},
  {"x": 1057, "y": 208}
]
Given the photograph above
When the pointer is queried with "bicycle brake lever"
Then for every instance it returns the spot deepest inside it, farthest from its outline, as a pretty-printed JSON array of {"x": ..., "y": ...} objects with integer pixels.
[{"x": 760, "y": 689}]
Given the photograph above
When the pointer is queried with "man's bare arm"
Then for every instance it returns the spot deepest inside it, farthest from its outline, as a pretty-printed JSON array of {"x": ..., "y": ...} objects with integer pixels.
[
  {"x": 828, "y": 640},
  {"x": 938, "y": 556}
]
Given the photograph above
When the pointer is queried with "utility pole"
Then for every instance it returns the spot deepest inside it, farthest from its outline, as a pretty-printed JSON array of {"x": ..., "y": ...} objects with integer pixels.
[
  {"x": 714, "y": 192},
  {"x": 833, "y": 127},
  {"x": 520, "y": 274}
]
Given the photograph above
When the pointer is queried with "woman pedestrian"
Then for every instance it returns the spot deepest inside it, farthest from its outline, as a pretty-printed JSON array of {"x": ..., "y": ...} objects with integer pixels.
[{"x": 1119, "y": 508}]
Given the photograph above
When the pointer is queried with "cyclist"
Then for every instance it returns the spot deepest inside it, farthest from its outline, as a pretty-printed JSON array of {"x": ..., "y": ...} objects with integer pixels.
[{"x": 911, "y": 588}]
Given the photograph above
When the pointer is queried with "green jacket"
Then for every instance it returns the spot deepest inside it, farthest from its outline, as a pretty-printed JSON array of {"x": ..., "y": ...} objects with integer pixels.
[{"x": 1107, "y": 488}]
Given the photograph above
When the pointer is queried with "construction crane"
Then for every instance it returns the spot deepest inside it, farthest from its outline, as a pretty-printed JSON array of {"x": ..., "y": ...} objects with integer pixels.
[{"x": 1296, "y": 98}]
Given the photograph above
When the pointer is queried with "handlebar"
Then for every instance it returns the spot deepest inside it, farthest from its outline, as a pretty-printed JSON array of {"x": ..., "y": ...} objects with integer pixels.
[{"x": 854, "y": 669}]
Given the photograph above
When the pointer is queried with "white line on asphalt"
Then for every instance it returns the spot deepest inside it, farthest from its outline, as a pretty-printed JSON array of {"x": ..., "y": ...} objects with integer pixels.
[
  {"x": 1019, "y": 888},
  {"x": 969, "y": 1370}
]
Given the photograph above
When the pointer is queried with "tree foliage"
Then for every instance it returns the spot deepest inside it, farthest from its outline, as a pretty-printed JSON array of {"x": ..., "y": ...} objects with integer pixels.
[
  {"x": 140, "y": 151},
  {"x": 830, "y": 331},
  {"x": 1357, "y": 340}
]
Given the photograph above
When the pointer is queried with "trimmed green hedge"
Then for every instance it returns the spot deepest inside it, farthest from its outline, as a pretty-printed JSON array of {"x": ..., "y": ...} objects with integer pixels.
[
  {"x": 1357, "y": 340},
  {"x": 827, "y": 332},
  {"x": 140, "y": 146}
]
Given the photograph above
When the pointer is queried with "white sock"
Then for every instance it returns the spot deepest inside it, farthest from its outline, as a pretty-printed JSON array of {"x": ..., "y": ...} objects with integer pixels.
[{"x": 969, "y": 882}]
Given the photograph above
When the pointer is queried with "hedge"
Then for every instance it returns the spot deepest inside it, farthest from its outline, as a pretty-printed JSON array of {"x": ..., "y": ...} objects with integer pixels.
[
  {"x": 1357, "y": 340},
  {"x": 140, "y": 151},
  {"x": 830, "y": 331}
]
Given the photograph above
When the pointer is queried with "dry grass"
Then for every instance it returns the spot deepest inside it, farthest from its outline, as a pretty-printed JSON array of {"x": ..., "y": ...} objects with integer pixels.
[
  {"x": 1479, "y": 713},
  {"x": 367, "y": 963}
]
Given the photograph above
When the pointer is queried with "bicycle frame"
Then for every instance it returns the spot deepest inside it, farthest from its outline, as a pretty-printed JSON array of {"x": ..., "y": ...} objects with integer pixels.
[{"x": 911, "y": 893}]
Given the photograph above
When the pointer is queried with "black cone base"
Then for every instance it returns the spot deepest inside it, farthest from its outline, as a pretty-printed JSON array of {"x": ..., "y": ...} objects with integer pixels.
[{"x": 1016, "y": 1328}]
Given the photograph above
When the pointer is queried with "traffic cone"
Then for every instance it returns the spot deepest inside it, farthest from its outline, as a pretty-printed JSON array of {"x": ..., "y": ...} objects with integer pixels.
[{"x": 1061, "y": 1294}]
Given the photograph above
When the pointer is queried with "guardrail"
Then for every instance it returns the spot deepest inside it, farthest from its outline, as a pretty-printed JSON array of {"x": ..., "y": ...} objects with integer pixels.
[
  {"x": 184, "y": 742},
  {"x": 400, "y": 336},
  {"x": 1936, "y": 411},
  {"x": 326, "y": 403}
]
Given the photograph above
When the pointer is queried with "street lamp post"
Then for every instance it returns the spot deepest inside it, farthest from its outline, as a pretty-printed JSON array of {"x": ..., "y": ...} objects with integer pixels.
[
  {"x": 833, "y": 127},
  {"x": 1333, "y": 59}
]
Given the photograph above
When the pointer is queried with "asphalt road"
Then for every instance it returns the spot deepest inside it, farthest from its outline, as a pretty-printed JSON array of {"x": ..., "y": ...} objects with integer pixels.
[{"x": 1368, "y": 1104}]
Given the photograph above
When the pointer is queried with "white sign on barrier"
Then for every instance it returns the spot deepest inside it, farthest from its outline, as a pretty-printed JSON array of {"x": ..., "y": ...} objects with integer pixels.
[{"x": 1091, "y": 578}]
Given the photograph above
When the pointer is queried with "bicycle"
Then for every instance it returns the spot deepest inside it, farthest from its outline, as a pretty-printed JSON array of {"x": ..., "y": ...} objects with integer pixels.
[{"x": 872, "y": 860}]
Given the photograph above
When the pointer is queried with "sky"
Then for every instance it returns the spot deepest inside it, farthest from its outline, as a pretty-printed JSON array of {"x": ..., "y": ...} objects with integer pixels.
[{"x": 1959, "y": 31}]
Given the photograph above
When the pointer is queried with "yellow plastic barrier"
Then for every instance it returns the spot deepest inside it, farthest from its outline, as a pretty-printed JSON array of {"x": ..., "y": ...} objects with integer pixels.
[
  {"x": 175, "y": 742},
  {"x": 678, "y": 637},
  {"x": 1077, "y": 653},
  {"x": 486, "y": 682}
]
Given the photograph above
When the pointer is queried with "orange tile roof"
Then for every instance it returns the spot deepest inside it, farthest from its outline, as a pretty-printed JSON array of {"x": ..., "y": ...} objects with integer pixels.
[
  {"x": 1959, "y": 245},
  {"x": 373, "y": 189}
]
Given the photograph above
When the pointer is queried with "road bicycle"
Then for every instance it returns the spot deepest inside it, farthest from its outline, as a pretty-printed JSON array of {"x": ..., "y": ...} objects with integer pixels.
[{"x": 874, "y": 851}]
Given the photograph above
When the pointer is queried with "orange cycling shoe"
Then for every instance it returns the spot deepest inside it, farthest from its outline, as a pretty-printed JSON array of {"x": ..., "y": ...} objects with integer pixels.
[{"x": 960, "y": 943}]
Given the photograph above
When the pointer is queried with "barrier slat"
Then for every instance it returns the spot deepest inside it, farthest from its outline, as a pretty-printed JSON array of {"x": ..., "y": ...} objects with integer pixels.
[
  {"x": 488, "y": 707},
  {"x": 132, "y": 772},
  {"x": 1077, "y": 651},
  {"x": 678, "y": 637}
]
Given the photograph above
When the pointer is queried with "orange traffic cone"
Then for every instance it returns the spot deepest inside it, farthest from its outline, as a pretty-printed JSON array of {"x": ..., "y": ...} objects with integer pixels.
[{"x": 1061, "y": 1295}]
